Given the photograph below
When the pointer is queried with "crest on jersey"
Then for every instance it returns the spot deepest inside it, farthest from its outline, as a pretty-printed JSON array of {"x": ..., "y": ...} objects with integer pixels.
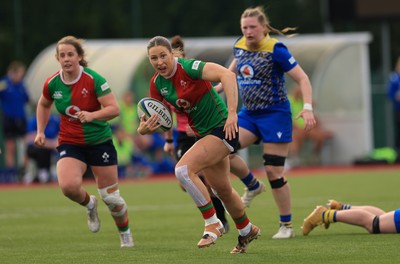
[
  {"x": 84, "y": 92},
  {"x": 183, "y": 84},
  {"x": 238, "y": 52},
  {"x": 247, "y": 71}
]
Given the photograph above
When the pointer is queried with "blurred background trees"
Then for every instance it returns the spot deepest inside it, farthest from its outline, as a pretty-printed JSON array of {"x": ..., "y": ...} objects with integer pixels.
[{"x": 27, "y": 27}]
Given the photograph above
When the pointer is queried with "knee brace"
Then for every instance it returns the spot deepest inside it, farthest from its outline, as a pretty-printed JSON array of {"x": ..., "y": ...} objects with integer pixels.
[
  {"x": 112, "y": 199},
  {"x": 276, "y": 184},
  {"x": 182, "y": 175},
  {"x": 274, "y": 160},
  {"x": 375, "y": 225}
]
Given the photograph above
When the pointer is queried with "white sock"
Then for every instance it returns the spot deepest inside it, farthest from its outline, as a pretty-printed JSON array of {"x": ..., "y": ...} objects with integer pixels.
[
  {"x": 43, "y": 175},
  {"x": 212, "y": 220},
  {"x": 126, "y": 232},
  {"x": 246, "y": 230},
  {"x": 90, "y": 204},
  {"x": 28, "y": 178}
]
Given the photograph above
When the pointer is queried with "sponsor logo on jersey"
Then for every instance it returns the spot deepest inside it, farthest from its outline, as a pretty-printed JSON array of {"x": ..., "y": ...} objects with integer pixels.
[
  {"x": 164, "y": 91},
  {"x": 72, "y": 110},
  {"x": 196, "y": 65},
  {"x": 279, "y": 134},
  {"x": 57, "y": 95},
  {"x": 183, "y": 104},
  {"x": 105, "y": 86},
  {"x": 247, "y": 71}
]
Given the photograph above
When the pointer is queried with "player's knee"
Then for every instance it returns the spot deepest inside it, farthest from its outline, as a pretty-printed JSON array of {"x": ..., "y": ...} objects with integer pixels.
[
  {"x": 274, "y": 168},
  {"x": 71, "y": 191},
  {"x": 112, "y": 198},
  {"x": 182, "y": 174},
  {"x": 279, "y": 183},
  {"x": 375, "y": 226},
  {"x": 274, "y": 160}
]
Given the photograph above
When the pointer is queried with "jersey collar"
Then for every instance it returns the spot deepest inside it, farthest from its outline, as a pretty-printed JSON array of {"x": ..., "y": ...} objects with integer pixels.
[
  {"x": 174, "y": 70},
  {"x": 74, "y": 81}
]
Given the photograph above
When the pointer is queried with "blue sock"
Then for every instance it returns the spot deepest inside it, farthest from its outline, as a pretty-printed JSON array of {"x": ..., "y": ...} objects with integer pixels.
[
  {"x": 286, "y": 219},
  {"x": 251, "y": 182}
]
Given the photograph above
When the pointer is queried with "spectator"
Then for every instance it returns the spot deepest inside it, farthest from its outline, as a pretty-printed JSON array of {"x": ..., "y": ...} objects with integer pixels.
[
  {"x": 318, "y": 135},
  {"x": 128, "y": 114},
  {"x": 152, "y": 155},
  {"x": 13, "y": 98},
  {"x": 40, "y": 158},
  {"x": 393, "y": 93},
  {"x": 125, "y": 149},
  {"x": 147, "y": 156}
]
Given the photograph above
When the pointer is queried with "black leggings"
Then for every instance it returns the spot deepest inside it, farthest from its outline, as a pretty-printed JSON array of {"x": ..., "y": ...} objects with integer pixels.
[{"x": 41, "y": 156}]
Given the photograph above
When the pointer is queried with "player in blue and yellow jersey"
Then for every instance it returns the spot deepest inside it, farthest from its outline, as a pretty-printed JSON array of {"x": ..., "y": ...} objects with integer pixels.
[
  {"x": 185, "y": 84},
  {"x": 85, "y": 102},
  {"x": 260, "y": 62}
]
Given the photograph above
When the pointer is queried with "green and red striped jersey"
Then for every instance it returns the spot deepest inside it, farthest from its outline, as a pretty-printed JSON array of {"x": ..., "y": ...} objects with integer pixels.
[
  {"x": 79, "y": 95},
  {"x": 188, "y": 93}
]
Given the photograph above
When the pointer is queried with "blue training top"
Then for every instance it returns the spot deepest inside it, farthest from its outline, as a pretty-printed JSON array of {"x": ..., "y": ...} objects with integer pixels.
[
  {"x": 52, "y": 128},
  {"x": 13, "y": 97},
  {"x": 394, "y": 89}
]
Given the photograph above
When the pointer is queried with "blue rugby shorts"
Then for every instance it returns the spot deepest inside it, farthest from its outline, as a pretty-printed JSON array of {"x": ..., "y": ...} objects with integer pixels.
[{"x": 269, "y": 126}]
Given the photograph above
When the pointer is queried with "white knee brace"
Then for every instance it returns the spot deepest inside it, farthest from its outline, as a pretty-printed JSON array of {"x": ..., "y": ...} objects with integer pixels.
[
  {"x": 182, "y": 175},
  {"x": 113, "y": 199}
]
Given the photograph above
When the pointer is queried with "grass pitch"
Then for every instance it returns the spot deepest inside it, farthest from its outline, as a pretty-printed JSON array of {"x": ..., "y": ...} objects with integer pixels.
[{"x": 39, "y": 225}]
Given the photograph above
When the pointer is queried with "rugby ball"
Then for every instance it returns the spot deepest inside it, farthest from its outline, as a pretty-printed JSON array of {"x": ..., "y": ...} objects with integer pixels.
[{"x": 148, "y": 106}]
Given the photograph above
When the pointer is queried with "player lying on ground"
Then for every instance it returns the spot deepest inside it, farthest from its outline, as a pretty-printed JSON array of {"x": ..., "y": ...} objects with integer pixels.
[{"x": 372, "y": 218}]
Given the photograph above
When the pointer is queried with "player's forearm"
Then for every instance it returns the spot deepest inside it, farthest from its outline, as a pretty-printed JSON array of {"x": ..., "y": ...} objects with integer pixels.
[
  {"x": 231, "y": 91},
  {"x": 106, "y": 113}
]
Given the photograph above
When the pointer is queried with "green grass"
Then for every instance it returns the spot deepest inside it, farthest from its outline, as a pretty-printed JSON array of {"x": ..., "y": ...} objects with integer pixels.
[{"x": 39, "y": 225}]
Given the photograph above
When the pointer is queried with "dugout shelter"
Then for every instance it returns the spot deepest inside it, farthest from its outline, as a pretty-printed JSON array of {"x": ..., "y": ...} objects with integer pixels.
[{"x": 337, "y": 64}]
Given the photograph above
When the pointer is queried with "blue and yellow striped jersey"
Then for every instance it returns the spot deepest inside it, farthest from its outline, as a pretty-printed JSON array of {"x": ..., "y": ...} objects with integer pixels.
[{"x": 260, "y": 73}]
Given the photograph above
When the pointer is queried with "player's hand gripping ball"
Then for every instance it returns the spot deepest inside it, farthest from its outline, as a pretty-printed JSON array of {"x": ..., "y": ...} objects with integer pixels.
[{"x": 148, "y": 106}]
